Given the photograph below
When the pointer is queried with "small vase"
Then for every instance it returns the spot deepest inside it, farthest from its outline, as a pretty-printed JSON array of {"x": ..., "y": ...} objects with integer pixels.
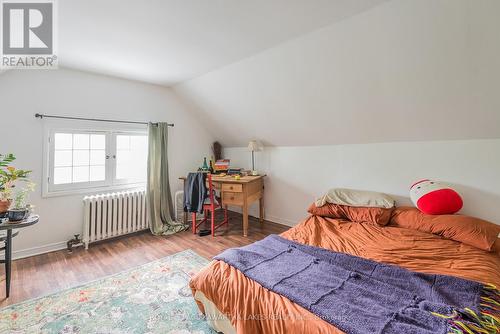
[{"x": 205, "y": 165}]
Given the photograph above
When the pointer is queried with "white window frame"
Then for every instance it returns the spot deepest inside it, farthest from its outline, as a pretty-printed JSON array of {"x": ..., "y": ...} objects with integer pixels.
[{"x": 109, "y": 184}]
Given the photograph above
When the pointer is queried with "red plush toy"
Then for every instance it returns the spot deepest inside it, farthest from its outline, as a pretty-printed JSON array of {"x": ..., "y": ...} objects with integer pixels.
[{"x": 435, "y": 198}]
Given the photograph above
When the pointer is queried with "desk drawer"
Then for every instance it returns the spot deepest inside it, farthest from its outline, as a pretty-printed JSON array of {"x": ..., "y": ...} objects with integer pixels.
[
  {"x": 232, "y": 198},
  {"x": 235, "y": 188}
]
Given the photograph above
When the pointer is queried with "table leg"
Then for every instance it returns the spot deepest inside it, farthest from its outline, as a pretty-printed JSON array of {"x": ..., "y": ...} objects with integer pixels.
[
  {"x": 245, "y": 219},
  {"x": 261, "y": 209},
  {"x": 8, "y": 261}
]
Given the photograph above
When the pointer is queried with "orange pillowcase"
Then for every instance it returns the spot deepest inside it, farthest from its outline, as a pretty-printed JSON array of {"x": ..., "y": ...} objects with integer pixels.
[
  {"x": 496, "y": 247},
  {"x": 468, "y": 230},
  {"x": 379, "y": 216}
]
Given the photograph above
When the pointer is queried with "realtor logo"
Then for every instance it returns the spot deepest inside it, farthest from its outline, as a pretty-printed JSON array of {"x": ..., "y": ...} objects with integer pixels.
[{"x": 28, "y": 34}]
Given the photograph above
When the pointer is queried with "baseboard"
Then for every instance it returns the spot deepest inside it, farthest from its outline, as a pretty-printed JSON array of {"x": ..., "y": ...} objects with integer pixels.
[
  {"x": 271, "y": 218},
  {"x": 19, "y": 254},
  {"x": 281, "y": 221}
]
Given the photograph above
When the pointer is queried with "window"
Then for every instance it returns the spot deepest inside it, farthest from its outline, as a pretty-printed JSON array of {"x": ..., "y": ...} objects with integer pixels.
[
  {"x": 81, "y": 160},
  {"x": 79, "y": 157}
]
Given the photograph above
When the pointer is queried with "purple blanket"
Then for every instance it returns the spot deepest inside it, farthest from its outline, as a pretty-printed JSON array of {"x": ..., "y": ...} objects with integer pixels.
[{"x": 362, "y": 296}]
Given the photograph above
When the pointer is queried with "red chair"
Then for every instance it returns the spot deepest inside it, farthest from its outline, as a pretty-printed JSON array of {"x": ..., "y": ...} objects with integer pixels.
[{"x": 211, "y": 204}]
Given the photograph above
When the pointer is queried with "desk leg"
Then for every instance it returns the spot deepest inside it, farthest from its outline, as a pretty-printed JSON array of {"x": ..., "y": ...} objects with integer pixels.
[
  {"x": 245, "y": 218},
  {"x": 261, "y": 209},
  {"x": 8, "y": 261}
]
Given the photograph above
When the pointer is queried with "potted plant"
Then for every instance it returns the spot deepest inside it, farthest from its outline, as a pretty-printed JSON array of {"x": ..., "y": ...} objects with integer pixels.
[
  {"x": 4, "y": 195},
  {"x": 9, "y": 176},
  {"x": 20, "y": 209}
]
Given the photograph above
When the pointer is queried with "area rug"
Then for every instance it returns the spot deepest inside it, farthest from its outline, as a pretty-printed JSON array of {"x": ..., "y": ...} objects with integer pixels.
[{"x": 152, "y": 298}]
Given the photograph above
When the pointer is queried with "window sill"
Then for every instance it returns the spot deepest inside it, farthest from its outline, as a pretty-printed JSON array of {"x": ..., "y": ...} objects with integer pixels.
[{"x": 94, "y": 190}]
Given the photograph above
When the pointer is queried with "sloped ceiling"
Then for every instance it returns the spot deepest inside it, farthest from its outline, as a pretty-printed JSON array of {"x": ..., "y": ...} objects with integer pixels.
[
  {"x": 169, "y": 41},
  {"x": 402, "y": 71}
]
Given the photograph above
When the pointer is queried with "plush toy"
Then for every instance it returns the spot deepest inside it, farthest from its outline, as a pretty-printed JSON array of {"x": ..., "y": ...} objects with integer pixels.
[{"x": 435, "y": 198}]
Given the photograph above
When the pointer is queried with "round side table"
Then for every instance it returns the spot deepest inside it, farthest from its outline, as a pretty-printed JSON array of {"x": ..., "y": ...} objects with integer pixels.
[{"x": 7, "y": 240}]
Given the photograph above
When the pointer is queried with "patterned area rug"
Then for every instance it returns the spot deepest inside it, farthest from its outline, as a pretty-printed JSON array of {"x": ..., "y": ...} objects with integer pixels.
[{"x": 152, "y": 298}]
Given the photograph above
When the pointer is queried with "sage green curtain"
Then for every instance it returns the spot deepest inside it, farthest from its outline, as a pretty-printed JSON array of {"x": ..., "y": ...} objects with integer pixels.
[{"x": 158, "y": 196}]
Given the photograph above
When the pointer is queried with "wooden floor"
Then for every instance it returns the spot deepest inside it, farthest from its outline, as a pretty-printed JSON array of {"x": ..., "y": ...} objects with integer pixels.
[{"x": 47, "y": 273}]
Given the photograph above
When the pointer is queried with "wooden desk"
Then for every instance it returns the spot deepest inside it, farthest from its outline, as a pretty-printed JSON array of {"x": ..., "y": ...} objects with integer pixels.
[{"x": 242, "y": 193}]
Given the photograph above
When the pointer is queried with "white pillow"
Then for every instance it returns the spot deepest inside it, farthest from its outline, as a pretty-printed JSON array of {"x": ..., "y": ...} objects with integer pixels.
[{"x": 358, "y": 198}]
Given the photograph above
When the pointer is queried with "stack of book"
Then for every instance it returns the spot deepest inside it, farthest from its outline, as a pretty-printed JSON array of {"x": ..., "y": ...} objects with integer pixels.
[
  {"x": 234, "y": 171},
  {"x": 221, "y": 166}
]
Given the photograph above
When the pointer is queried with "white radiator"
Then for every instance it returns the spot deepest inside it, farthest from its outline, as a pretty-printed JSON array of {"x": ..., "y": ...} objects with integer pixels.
[{"x": 111, "y": 215}]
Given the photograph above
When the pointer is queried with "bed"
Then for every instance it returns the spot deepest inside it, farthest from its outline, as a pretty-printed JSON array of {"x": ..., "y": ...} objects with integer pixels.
[{"x": 234, "y": 303}]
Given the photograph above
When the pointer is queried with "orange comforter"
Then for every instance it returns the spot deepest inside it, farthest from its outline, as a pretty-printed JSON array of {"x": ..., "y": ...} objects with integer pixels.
[{"x": 254, "y": 309}]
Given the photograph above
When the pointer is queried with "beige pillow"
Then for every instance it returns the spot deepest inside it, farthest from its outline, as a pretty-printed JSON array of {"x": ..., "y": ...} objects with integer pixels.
[{"x": 357, "y": 198}]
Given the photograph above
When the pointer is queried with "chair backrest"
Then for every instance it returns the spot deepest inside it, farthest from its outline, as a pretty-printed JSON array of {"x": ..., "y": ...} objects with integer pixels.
[
  {"x": 209, "y": 185},
  {"x": 210, "y": 188}
]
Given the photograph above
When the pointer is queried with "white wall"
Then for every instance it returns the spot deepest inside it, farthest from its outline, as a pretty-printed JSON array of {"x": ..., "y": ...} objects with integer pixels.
[
  {"x": 298, "y": 175},
  {"x": 405, "y": 70},
  {"x": 67, "y": 92}
]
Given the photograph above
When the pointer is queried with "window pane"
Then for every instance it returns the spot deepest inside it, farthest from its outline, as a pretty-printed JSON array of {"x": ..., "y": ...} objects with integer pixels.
[
  {"x": 123, "y": 157},
  {"x": 98, "y": 142},
  {"x": 97, "y": 173},
  {"x": 81, "y": 174},
  {"x": 62, "y": 175},
  {"x": 140, "y": 156},
  {"x": 63, "y": 141},
  {"x": 78, "y": 158},
  {"x": 63, "y": 158},
  {"x": 81, "y": 158},
  {"x": 97, "y": 157},
  {"x": 122, "y": 171},
  {"x": 81, "y": 141},
  {"x": 131, "y": 158},
  {"x": 130, "y": 172},
  {"x": 138, "y": 143},
  {"x": 122, "y": 142}
]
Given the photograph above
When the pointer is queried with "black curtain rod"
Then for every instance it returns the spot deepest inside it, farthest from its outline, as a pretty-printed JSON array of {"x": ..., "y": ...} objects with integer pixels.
[{"x": 94, "y": 119}]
